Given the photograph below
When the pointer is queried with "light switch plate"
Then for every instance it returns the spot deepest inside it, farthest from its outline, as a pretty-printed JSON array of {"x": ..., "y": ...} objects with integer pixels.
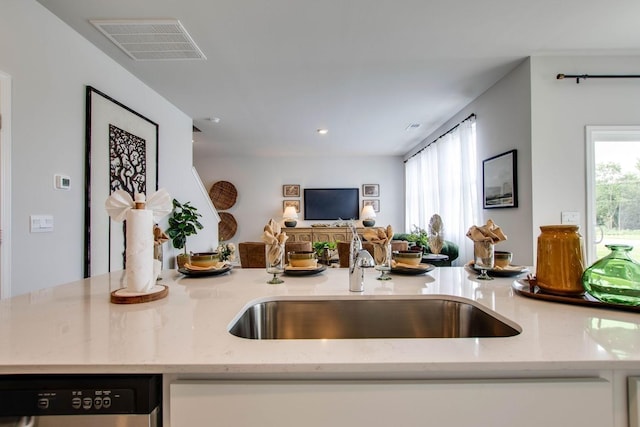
[
  {"x": 570, "y": 218},
  {"x": 41, "y": 223}
]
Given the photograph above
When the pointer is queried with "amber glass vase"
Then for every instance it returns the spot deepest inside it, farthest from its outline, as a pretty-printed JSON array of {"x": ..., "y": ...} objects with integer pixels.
[
  {"x": 560, "y": 261},
  {"x": 614, "y": 278}
]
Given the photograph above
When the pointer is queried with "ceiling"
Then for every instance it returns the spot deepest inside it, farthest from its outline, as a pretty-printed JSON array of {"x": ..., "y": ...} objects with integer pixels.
[{"x": 278, "y": 70}]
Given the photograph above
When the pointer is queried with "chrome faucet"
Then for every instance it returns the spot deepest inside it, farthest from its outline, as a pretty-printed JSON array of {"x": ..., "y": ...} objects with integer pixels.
[{"x": 359, "y": 259}]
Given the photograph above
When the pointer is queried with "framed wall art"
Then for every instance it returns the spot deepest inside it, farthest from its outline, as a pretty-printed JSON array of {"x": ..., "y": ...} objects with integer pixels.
[
  {"x": 499, "y": 181},
  {"x": 375, "y": 203},
  {"x": 121, "y": 153},
  {"x": 370, "y": 190},
  {"x": 294, "y": 203},
  {"x": 290, "y": 190}
]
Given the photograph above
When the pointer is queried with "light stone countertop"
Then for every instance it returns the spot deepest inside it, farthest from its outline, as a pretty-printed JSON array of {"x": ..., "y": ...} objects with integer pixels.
[{"x": 73, "y": 328}]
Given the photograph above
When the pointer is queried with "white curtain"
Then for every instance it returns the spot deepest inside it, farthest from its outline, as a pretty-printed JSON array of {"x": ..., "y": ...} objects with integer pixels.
[{"x": 442, "y": 179}]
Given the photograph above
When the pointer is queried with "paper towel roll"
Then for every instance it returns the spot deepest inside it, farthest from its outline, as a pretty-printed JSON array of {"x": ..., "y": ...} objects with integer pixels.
[{"x": 139, "y": 253}]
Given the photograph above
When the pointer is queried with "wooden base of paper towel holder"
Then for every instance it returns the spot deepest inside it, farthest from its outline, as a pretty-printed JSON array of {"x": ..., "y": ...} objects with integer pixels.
[{"x": 121, "y": 296}]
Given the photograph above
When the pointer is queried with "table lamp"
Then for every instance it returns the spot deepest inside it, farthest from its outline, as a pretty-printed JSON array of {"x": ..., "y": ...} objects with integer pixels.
[
  {"x": 290, "y": 216},
  {"x": 368, "y": 215}
]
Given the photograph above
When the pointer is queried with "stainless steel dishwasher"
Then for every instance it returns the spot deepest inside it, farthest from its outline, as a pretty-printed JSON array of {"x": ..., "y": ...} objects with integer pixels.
[{"x": 80, "y": 400}]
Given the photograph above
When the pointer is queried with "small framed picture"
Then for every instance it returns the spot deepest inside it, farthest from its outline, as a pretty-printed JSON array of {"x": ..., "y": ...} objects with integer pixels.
[
  {"x": 375, "y": 203},
  {"x": 290, "y": 190},
  {"x": 294, "y": 203},
  {"x": 370, "y": 190}
]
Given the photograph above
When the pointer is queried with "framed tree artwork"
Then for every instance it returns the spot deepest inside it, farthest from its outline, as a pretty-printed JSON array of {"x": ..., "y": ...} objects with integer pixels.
[{"x": 121, "y": 153}]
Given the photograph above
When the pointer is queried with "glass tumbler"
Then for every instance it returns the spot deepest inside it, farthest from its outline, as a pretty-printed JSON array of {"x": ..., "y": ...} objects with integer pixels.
[
  {"x": 274, "y": 256},
  {"x": 483, "y": 256}
]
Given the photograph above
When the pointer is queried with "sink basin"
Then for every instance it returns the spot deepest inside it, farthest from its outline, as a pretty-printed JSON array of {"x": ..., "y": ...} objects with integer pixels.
[{"x": 347, "y": 318}]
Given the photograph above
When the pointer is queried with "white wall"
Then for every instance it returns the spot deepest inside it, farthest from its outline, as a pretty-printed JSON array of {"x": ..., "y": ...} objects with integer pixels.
[
  {"x": 259, "y": 183},
  {"x": 50, "y": 66},
  {"x": 560, "y": 111},
  {"x": 502, "y": 124}
]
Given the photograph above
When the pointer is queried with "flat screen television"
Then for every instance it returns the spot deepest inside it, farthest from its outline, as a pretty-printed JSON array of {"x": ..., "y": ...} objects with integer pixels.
[{"x": 331, "y": 203}]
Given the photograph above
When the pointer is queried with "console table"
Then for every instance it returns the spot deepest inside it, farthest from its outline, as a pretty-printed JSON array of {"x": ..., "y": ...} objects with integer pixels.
[{"x": 322, "y": 234}]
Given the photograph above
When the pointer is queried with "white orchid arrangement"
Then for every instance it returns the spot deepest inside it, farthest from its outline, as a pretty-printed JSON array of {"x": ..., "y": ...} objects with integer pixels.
[{"x": 226, "y": 251}]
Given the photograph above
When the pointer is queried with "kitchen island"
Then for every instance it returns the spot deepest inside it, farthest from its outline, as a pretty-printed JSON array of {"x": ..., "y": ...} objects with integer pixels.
[{"x": 584, "y": 355}]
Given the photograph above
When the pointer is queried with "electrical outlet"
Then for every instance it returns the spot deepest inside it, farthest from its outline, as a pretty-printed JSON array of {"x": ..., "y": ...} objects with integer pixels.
[{"x": 570, "y": 218}]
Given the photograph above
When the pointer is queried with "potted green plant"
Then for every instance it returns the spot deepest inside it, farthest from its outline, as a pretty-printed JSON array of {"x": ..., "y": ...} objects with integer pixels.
[
  {"x": 183, "y": 223},
  {"x": 419, "y": 237},
  {"x": 322, "y": 249}
]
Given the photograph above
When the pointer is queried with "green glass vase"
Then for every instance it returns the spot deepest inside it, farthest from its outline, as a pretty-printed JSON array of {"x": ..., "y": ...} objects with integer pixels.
[{"x": 614, "y": 278}]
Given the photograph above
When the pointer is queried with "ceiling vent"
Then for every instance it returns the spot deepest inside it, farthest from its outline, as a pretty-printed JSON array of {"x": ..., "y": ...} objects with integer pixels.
[{"x": 151, "y": 40}]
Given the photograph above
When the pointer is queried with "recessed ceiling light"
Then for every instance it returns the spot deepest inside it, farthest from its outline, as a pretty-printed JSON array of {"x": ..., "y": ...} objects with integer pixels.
[
  {"x": 413, "y": 126},
  {"x": 213, "y": 119},
  {"x": 323, "y": 131}
]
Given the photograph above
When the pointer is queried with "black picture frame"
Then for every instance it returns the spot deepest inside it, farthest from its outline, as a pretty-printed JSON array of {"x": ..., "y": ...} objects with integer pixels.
[
  {"x": 370, "y": 190},
  {"x": 113, "y": 132},
  {"x": 499, "y": 181}
]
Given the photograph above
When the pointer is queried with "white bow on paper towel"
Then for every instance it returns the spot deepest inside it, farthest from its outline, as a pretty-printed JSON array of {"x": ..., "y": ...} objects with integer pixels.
[{"x": 141, "y": 268}]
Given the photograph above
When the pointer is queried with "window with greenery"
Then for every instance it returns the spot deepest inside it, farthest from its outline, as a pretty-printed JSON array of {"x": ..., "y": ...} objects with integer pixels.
[{"x": 613, "y": 189}]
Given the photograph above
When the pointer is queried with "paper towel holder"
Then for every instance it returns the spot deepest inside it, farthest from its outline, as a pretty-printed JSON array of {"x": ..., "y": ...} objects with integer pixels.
[{"x": 122, "y": 296}]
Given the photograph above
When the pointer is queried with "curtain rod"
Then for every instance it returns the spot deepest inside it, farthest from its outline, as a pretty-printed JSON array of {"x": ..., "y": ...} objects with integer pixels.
[
  {"x": 597, "y": 76},
  {"x": 470, "y": 116}
]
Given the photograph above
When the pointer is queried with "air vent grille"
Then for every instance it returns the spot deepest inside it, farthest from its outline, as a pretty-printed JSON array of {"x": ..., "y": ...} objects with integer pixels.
[{"x": 151, "y": 40}]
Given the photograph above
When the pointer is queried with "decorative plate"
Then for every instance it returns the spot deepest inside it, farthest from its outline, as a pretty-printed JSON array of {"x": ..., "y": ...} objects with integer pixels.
[
  {"x": 514, "y": 270},
  {"x": 435, "y": 257},
  {"x": 293, "y": 271},
  {"x": 413, "y": 271},
  {"x": 201, "y": 273}
]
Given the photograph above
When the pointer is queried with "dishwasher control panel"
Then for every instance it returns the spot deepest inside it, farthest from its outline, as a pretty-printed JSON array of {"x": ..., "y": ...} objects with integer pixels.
[
  {"x": 39, "y": 395},
  {"x": 82, "y": 401}
]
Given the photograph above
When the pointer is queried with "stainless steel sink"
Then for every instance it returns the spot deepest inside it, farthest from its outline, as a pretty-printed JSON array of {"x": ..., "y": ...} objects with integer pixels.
[{"x": 346, "y": 318}]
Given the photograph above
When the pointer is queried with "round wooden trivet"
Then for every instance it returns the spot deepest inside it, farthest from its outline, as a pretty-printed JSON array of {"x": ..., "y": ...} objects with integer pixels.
[
  {"x": 223, "y": 194},
  {"x": 227, "y": 226},
  {"x": 121, "y": 296}
]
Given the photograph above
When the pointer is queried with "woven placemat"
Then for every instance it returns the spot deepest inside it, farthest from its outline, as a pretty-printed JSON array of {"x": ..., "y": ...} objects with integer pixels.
[
  {"x": 227, "y": 226},
  {"x": 223, "y": 194}
]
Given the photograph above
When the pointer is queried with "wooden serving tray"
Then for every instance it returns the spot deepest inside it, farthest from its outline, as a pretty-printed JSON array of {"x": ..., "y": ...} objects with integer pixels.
[{"x": 528, "y": 288}]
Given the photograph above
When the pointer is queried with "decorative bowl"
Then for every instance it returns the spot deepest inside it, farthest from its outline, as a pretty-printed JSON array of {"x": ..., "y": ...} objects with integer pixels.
[
  {"x": 407, "y": 257},
  {"x": 303, "y": 259},
  {"x": 502, "y": 259},
  {"x": 204, "y": 259}
]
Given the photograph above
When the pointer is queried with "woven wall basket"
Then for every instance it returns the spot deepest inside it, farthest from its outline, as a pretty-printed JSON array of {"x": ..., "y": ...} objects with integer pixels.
[
  {"x": 227, "y": 226},
  {"x": 223, "y": 194}
]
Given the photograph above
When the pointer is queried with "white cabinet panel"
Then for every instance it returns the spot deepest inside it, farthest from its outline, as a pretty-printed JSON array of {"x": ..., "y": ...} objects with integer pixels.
[
  {"x": 523, "y": 402},
  {"x": 634, "y": 401}
]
